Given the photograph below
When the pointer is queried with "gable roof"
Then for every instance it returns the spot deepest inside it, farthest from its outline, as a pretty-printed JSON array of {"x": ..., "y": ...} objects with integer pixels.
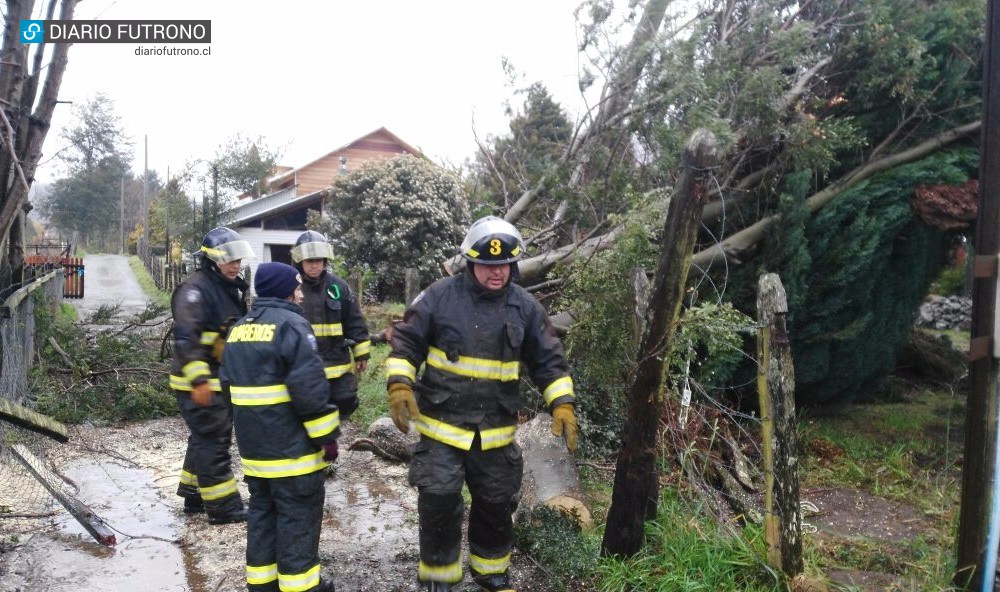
[{"x": 290, "y": 171}]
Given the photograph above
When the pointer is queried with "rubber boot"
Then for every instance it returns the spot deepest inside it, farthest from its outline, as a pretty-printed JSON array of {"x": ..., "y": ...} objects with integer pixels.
[
  {"x": 193, "y": 505},
  {"x": 494, "y": 583},
  {"x": 226, "y": 511},
  {"x": 325, "y": 586},
  {"x": 435, "y": 587}
]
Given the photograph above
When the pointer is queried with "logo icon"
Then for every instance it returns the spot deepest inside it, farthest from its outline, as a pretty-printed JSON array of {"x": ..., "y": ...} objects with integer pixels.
[{"x": 32, "y": 31}]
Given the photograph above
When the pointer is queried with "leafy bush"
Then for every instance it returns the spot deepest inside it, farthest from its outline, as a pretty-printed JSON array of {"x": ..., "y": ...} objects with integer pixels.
[
  {"x": 110, "y": 375},
  {"x": 398, "y": 213}
]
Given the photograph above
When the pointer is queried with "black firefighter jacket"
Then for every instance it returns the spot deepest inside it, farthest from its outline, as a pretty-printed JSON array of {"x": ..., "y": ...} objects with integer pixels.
[
  {"x": 337, "y": 322},
  {"x": 473, "y": 343},
  {"x": 204, "y": 305},
  {"x": 281, "y": 407}
]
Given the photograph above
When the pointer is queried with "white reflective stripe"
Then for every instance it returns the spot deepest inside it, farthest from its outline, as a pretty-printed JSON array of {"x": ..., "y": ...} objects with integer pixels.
[
  {"x": 260, "y": 395},
  {"x": 445, "y": 433},
  {"x": 451, "y": 573},
  {"x": 214, "y": 492},
  {"x": 183, "y": 384},
  {"x": 362, "y": 349},
  {"x": 559, "y": 387},
  {"x": 285, "y": 467},
  {"x": 262, "y": 574},
  {"x": 209, "y": 337},
  {"x": 400, "y": 367},
  {"x": 328, "y": 329},
  {"x": 496, "y": 437},
  {"x": 473, "y": 367},
  {"x": 299, "y": 582},
  {"x": 322, "y": 426},
  {"x": 336, "y": 371},
  {"x": 489, "y": 566},
  {"x": 188, "y": 478}
]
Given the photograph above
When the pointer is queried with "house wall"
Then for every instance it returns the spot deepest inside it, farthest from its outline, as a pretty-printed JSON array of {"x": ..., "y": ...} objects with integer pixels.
[
  {"x": 321, "y": 174},
  {"x": 260, "y": 240}
]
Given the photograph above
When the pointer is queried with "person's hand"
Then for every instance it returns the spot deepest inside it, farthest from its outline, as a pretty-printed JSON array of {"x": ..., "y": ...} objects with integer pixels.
[
  {"x": 402, "y": 406},
  {"x": 201, "y": 394},
  {"x": 360, "y": 366},
  {"x": 330, "y": 451},
  {"x": 564, "y": 424}
]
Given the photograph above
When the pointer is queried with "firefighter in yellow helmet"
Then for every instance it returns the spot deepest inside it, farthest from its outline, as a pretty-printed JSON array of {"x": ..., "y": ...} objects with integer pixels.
[
  {"x": 473, "y": 333},
  {"x": 204, "y": 306},
  {"x": 336, "y": 318}
]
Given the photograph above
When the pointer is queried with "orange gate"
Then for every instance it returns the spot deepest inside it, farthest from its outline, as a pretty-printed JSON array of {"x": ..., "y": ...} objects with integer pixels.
[{"x": 72, "y": 271}]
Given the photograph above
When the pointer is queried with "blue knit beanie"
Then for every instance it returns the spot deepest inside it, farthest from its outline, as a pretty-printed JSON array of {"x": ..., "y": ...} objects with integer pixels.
[{"x": 276, "y": 280}]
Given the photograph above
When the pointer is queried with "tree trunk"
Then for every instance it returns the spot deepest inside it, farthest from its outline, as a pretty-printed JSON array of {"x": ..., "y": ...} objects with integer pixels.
[{"x": 636, "y": 488}]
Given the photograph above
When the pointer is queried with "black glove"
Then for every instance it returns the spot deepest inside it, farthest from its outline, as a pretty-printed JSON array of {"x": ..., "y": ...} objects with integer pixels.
[{"x": 330, "y": 451}]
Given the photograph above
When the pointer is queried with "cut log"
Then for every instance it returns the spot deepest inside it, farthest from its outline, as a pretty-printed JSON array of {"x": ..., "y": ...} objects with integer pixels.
[
  {"x": 550, "y": 477},
  {"x": 32, "y": 420},
  {"x": 84, "y": 515}
]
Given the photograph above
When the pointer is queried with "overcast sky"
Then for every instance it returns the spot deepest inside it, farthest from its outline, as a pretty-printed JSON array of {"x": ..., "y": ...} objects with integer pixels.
[{"x": 312, "y": 75}]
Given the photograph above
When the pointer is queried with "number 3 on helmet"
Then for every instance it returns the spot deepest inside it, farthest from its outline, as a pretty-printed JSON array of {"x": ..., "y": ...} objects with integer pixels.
[{"x": 492, "y": 241}]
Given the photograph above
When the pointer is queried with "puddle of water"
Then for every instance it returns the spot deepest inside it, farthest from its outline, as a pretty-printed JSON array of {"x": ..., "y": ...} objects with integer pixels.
[{"x": 66, "y": 557}]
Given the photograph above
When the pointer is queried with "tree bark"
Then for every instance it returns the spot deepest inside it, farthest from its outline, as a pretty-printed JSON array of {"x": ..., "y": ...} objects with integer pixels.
[
  {"x": 35, "y": 124},
  {"x": 776, "y": 382},
  {"x": 636, "y": 489}
]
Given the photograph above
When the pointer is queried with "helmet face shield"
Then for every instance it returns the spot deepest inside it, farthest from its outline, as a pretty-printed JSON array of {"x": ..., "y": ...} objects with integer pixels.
[
  {"x": 492, "y": 241},
  {"x": 228, "y": 252},
  {"x": 313, "y": 250}
]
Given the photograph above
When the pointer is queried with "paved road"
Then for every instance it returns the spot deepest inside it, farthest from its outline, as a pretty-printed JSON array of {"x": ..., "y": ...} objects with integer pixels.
[{"x": 109, "y": 281}]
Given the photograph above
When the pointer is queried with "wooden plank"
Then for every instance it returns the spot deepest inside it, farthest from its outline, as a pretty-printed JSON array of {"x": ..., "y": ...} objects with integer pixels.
[
  {"x": 83, "y": 514},
  {"x": 32, "y": 420}
]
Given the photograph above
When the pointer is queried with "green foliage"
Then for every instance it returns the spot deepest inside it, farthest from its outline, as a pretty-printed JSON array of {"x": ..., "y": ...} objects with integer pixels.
[
  {"x": 172, "y": 214},
  {"x": 98, "y": 158},
  {"x": 398, "y": 213},
  {"x": 511, "y": 164},
  {"x": 244, "y": 165},
  {"x": 689, "y": 551},
  {"x": 950, "y": 282},
  {"x": 108, "y": 376},
  {"x": 373, "y": 402},
  {"x": 556, "y": 541},
  {"x": 603, "y": 343},
  {"x": 871, "y": 262}
]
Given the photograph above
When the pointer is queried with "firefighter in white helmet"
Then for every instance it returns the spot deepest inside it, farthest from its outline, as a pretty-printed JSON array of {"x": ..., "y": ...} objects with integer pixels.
[{"x": 473, "y": 333}]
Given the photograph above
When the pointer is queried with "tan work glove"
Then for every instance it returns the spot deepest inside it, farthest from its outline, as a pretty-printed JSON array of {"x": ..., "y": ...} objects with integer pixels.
[
  {"x": 201, "y": 394},
  {"x": 402, "y": 406},
  {"x": 564, "y": 424},
  {"x": 217, "y": 346}
]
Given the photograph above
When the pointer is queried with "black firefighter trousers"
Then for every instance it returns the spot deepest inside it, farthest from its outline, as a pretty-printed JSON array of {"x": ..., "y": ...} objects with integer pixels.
[
  {"x": 283, "y": 528},
  {"x": 207, "y": 472},
  {"x": 494, "y": 479}
]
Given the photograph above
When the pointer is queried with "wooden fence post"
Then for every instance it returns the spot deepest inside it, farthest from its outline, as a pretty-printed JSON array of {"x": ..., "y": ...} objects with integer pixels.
[
  {"x": 412, "y": 289},
  {"x": 636, "y": 491},
  {"x": 776, "y": 388}
]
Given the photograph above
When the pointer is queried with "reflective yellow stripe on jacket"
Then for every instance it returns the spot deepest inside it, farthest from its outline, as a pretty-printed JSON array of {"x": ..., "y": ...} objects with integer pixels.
[
  {"x": 337, "y": 371},
  {"x": 179, "y": 383},
  {"x": 462, "y": 438},
  {"x": 473, "y": 367},
  {"x": 328, "y": 329},
  {"x": 260, "y": 395},
  {"x": 400, "y": 367},
  {"x": 361, "y": 349},
  {"x": 559, "y": 387}
]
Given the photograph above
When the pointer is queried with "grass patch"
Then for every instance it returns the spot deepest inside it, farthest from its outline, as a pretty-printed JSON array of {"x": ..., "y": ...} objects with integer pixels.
[
  {"x": 159, "y": 297},
  {"x": 373, "y": 402}
]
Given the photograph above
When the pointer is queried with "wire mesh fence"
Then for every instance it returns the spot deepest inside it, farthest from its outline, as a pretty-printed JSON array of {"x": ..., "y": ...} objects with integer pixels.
[{"x": 24, "y": 502}]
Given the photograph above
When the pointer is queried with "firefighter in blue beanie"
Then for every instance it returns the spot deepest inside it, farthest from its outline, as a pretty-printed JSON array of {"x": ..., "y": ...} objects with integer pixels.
[{"x": 286, "y": 432}]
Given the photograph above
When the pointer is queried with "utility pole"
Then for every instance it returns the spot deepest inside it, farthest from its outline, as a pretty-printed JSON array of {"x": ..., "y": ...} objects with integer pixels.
[
  {"x": 978, "y": 524},
  {"x": 121, "y": 217}
]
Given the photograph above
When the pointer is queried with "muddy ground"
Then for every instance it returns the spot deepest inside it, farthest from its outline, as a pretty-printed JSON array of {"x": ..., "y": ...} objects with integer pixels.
[{"x": 128, "y": 476}]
